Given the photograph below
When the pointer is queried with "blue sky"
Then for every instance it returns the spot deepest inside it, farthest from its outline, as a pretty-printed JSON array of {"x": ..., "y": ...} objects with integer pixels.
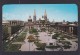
[{"x": 56, "y": 12}]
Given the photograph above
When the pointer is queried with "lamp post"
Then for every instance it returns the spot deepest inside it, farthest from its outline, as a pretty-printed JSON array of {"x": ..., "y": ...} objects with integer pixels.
[
  {"x": 31, "y": 39},
  {"x": 29, "y": 46}
]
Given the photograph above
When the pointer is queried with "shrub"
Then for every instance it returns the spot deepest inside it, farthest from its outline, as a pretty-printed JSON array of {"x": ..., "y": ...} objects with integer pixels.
[
  {"x": 55, "y": 36},
  {"x": 52, "y": 47},
  {"x": 31, "y": 38},
  {"x": 33, "y": 31},
  {"x": 66, "y": 43},
  {"x": 66, "y": 46},
  {"x": 40, "y": 48},
  {"x": 13, "y": 47},
  {"x": 40, "y": 45}
]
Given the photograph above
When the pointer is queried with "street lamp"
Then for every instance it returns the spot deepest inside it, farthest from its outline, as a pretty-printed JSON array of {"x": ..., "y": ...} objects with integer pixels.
[{"x": 31, "y": 39}]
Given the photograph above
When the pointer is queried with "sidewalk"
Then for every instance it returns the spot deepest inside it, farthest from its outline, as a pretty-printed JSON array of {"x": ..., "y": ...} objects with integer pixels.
[{"x": 26, "y": 45}]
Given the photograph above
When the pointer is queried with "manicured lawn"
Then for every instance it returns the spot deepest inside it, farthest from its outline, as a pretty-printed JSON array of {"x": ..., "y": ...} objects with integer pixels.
[
  {"x": 37, "y": 44},
  {"x": 11, "y": 47},
  {"x": 41, "y": 46},
  {"x": 66, "y": 46},
  {"x": 15, "y": 47},
  {"x": 66, "y": 42}
]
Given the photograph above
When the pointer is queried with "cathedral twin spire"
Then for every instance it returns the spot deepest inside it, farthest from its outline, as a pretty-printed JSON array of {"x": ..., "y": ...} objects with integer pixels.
[
  {"x": 45, "y": 14},
  {"x": 34, "y": 15},
  {"x": 34, "y": 12}
]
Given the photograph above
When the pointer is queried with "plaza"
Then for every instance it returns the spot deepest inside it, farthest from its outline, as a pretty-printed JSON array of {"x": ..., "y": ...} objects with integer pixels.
[
  {"x": 40, "y": 30},
  {"x": 44, "y": 38}
]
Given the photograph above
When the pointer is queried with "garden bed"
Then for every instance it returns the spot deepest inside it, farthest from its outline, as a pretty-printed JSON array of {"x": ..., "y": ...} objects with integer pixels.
[
  {"x": 13, "y": 47},
  {"x": 67, "y": 47},
  {"x": 52, "y": 47},
  {"x": 20, "y": 38}
]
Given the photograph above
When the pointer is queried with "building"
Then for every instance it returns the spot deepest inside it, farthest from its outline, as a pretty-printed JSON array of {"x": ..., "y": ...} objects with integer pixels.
[
  {"x": 5, "y": 23},
  {"x": 38, "y": 24},
  {"x": 16, "y": 22},
  {"x": 34, "y": 16},
  {"x": 66, "y": 27},
  {"x": 44, "y": 23},
  {"x": 10, "y": 23}
]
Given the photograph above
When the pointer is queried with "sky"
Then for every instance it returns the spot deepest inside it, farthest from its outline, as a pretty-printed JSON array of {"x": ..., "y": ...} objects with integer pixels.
[{"x": 56, "y": 12}]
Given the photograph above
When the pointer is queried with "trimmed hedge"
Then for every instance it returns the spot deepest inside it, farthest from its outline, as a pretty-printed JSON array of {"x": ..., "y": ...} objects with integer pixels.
[{"x": 53, "y": 47}]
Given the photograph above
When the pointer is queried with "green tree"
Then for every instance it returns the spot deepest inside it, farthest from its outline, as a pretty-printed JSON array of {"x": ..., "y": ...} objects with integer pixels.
[
  {"x": 33, "y": 30},
  {"x": 55, "y": 36},
  {"x": 5, "y": 33},
  {"x": 14, "y": 29}
]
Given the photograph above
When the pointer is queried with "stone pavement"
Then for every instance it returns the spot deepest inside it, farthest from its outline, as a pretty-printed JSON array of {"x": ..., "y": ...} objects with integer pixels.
[{"x": 28, "y": 46}]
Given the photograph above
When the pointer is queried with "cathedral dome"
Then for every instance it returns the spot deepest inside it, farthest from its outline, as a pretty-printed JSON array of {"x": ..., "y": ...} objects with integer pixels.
[{"x": 29, "y": 18}]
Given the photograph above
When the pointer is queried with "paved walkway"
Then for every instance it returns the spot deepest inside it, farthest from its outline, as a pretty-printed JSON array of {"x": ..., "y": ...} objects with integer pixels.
[
  {"x": 45, "y": 38},
  {"x": 28, "y": 46}
]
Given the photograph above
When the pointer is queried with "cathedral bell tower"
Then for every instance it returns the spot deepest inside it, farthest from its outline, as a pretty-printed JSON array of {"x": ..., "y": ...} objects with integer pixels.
[
  {"x": 34, "y": 16},
  {"x": 45, "y": 16},
  {"x": 29, "y": 20}
]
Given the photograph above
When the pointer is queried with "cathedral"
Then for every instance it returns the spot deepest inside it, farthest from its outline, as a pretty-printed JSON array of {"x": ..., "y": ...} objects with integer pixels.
[{"x": 38, "y": 24}]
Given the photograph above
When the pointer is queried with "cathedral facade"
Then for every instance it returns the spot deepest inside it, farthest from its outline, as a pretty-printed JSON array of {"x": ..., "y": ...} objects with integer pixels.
[{"x": 38, "y": 24}]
